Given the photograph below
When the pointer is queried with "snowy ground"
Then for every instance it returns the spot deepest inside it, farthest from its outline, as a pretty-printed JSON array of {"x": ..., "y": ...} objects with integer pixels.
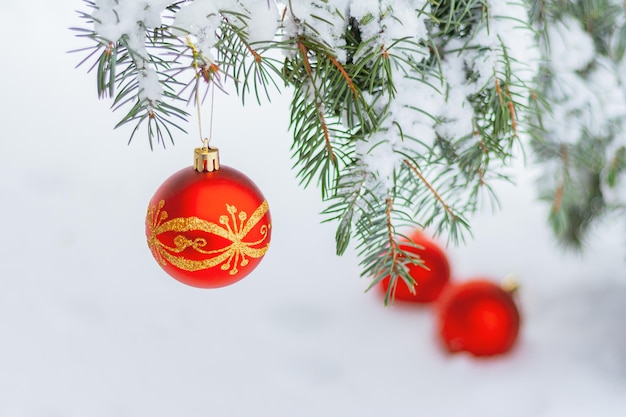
[{"x": 91, "y": 327}]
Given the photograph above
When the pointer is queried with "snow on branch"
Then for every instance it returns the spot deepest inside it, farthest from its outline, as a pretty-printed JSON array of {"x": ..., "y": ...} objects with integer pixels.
[{"x": 450, "y": 86}]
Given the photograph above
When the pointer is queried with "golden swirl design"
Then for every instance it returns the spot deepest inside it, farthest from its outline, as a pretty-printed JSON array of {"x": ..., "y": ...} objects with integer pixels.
[{"x": 231, "y": 257}]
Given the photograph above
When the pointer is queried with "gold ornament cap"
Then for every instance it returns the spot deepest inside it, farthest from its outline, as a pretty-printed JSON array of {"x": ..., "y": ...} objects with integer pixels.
[{"x": 206, "y": 159}]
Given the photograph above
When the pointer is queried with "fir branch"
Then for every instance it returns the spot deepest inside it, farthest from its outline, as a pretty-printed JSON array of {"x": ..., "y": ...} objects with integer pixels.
[
  {"x": 118, "y": 67},
  {"x": 392, "y": 254},
  {"x": 380, "y": 249},
  {"x": 439, "y": 199},
  {"x": 344, "y": 74},
  {"x": 578, "y": 169},
  {"x": 347, "y": 202},
  {"x": 348, "y": 108},
  {"x": 249, "y": 67},
  {"x": 317, "y": 98}
]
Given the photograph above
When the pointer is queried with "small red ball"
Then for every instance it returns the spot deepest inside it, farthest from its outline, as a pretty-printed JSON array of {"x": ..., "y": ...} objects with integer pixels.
[
  {"x": 208, "y": 229},
  {"x": 430, "y": 279},
  {"x": 478, "y": 317}
]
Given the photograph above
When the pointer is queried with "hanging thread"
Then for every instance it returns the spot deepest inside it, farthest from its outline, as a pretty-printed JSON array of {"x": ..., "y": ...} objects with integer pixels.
[
  {"x": 199, "y": 110},
  {"x": 196, "y": 56},
  {"x": 211, "y": 113}
]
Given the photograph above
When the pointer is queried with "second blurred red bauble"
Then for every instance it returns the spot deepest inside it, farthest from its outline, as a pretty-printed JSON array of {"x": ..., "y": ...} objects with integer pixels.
[
  {"x": 208, "y": 225},
  {"x": 429, "y": 281},
  {"x": 478, "y": 317}
]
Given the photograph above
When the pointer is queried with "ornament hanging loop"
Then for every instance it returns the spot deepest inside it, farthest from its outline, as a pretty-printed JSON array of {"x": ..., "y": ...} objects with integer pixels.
[{"x": 206, "y": 159}]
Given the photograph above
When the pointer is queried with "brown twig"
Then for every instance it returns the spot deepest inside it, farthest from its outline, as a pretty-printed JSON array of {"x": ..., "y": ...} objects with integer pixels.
[
  {"x": 431, "y": 188},
  {"x": 498, "y": 89},
  {"x": 320, "y": 111},
  {"x": 511, "y": 105},
  {"x": 255, "y": 54},
  {"x": 304, "y": 52},
  {"x": 345, "y": 75},
  {"x": 508, "y": 102}
]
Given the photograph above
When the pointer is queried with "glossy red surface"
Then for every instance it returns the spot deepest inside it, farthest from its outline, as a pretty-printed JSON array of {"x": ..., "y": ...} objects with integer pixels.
[
  {"x": 215, "y": 230},
  {"x": 478, "y": 317}
]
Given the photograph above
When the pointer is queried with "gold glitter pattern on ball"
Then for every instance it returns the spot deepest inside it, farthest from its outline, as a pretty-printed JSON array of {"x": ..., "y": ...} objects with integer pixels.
[{"x": 233, "y": 226}]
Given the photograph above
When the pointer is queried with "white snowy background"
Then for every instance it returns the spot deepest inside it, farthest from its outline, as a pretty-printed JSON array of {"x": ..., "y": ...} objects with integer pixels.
[{"x": 91, "y": 327}]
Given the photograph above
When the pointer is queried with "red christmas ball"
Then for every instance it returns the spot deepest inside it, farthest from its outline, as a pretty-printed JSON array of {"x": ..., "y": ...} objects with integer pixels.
[
  {"x": 478, "y": 317},
  {"x": 208, "y": 226},
  {"x": 430, "y": 279}
]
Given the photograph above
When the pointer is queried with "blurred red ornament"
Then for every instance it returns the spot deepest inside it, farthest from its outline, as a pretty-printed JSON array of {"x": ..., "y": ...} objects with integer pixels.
[
  {"x": 430, "y": 279},
  {"x": 208, "y": 226},
  {"x": 479, "y": 317}
]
